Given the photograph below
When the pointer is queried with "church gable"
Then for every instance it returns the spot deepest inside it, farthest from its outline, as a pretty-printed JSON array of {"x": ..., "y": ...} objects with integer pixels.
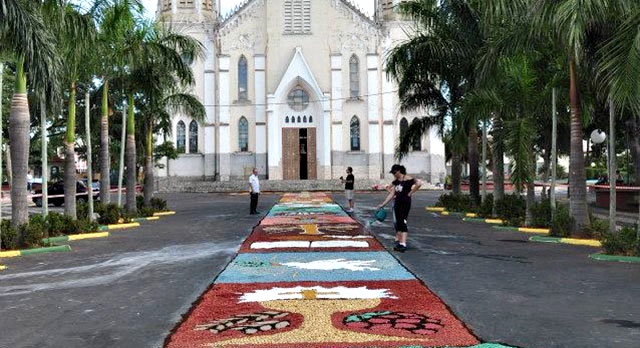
[
  {"x": 242, "y": 31},
  {"x": 350, "y": 30}
]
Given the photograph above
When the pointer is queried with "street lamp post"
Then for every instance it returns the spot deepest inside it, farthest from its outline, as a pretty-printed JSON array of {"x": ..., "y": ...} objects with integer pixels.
[{"x": 598, "y": 137}]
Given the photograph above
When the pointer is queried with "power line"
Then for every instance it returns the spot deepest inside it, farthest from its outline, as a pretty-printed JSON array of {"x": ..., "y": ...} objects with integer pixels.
[{"x": 364, "y": 96}]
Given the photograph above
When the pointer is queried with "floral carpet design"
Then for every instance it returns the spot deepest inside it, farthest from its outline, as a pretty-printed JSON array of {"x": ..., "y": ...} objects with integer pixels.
[{"x": 311, "y": 276}]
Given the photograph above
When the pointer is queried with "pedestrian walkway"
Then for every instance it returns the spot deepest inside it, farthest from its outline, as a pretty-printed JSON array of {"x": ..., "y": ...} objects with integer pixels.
[{"x": 309, "y": 275}]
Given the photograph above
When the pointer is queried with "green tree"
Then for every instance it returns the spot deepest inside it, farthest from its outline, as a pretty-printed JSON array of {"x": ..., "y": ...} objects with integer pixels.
[{"x": 24, "y": 35}]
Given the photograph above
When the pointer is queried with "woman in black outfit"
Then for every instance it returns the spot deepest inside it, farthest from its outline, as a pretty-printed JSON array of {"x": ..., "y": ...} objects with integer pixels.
[{"x": 402, "y": 188}]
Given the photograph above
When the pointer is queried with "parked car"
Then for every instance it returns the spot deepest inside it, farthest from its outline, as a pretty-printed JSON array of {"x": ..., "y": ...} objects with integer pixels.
[{"x": 56, "y": 193}]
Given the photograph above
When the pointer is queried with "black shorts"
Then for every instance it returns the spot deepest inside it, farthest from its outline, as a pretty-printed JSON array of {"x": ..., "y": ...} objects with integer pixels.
[{"x": 400, "y": 215}]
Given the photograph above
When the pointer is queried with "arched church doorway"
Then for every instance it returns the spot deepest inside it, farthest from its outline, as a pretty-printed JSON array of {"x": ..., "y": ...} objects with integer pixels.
[{"x": 299, "y": 154}]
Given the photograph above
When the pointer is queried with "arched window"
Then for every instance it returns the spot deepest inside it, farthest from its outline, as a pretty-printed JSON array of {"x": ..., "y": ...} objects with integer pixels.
[
  {"x": 243, "y": 134},
  {"x": 310, "y": 119},
  {"x": 181, "y": 137},
  {"x": 304, "y": 118},
  {"x": 354, "y": 77},
  {"x": 299, "y": 119},
  {"x": 286, "y": 119},
  {"x": 242, "y": 78},
  {"x": 193, "y": 137},
  {"x": 416, "y": 145},
  {"x": 355, "y": 134}
]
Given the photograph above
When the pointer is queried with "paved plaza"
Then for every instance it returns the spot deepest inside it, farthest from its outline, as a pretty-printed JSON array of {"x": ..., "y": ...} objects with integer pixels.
[{"x": 175, "y": 281}]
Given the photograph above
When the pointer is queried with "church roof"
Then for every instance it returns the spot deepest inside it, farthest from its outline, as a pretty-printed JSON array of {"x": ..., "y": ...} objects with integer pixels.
[{"x": 242, "y": 6}]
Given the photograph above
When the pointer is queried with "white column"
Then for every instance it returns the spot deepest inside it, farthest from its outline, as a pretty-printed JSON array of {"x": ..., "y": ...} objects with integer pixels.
[
  {"x": 436, "y": 156},
  {"x": 209, "y": 138},
  {"x": 326, "y": 135},
  {"x": 260, "y": 81},
  {"x": 388, "y": 112},
  {"x": 174, "y": 6},
  {"x": 224, "y": 117},
  {"x": 373, "y": 120},
  {"x": 274, "y": 142},
  {"x": 336, "y": 96}
]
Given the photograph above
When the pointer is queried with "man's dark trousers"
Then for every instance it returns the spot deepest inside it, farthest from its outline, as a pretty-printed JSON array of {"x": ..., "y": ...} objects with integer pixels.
[{"x": 254, "y": 202}]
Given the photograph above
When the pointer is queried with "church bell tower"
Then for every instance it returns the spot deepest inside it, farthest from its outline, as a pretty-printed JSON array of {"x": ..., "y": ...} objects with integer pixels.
[{"x": 189, "y": 11}]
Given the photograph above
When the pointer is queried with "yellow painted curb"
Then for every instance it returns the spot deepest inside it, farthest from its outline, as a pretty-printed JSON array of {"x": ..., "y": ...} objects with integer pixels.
[
  {"x": 436, "y": 209},
  {"x": 575, "y": 241},
  {"x": 121, "y": 226},
  {"x": 471, "y": 215},
  {"x": 164, "y": 213},
  {"x": 493, "y": 221},
  {"x": 88, "y": 235},
  {"x": 152, "y": 218},
  {"x": 445, "y": 213},
  {"x": 533, "y": 230},
  {"x": 3, "y": 267},
  {"x": 13, "y": 253}
]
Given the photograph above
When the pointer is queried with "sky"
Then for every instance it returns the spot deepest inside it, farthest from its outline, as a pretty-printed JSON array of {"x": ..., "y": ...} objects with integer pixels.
[{"x": 227, "y": 5}]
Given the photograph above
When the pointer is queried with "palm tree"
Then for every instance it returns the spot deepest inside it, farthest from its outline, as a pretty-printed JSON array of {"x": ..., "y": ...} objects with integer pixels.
[
  {"x": 75, "y": 33},
  {"x": 23, "y": 33},
  {"x": 117, "y": 17},
  {"x": 435, "y": 67},
  {"x": 157, "y": 59}
]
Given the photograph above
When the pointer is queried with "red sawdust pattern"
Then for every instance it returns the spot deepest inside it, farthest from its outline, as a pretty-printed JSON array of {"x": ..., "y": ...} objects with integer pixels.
[{"x": 221, "y": 302}]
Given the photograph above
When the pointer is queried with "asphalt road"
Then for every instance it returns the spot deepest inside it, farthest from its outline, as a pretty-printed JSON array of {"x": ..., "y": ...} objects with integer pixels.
[{"x": 130, "y": 290}]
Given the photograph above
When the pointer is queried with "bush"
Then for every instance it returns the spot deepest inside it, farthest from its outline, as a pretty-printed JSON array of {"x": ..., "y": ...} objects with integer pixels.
[
  {"x": 158, "y": 204},
  {"x": 623, "y": 243},
  {"x": 59, "y": 224},
  {"x": 9, "y": 235},
  {"x": 486, "y": 207},
  {"x": 86, "y": 226},
  {"x": 33, "y": 232},
  {"x": 451, "y": 202},
  {"x": 511, "y": 209},
  {"x": 108, "y": 213},
  {"x": 82, "y": 211},
  {"x": 541, "y": 214},
  {"x": 598, "y": 228},
  {"x": 139, "y": 202},
  {"x": 561, "y": 222},
  {"x": 145, "y": 212}
]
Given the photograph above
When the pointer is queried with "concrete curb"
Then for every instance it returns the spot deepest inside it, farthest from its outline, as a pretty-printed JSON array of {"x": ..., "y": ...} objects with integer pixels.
[
  {"x": 438, "y": 209},
  {"x": 573, "y": 241},
  {"x": 3, "y": 267},
  {"x": 618, "y": 258},
  {"x": 164, "y": 213},
  {"x": 143, "y": 219},
  {"x": 16, "y": 253},
  {"x": 79, "y": 236},
  {"x": 533, "y": 230},
  {"x": 119, "y": 226},
  {"x": 488, "y": 221}
]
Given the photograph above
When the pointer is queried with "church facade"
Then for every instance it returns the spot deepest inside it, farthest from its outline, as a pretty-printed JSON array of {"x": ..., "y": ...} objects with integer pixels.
[{"x": 296, "y": 88}]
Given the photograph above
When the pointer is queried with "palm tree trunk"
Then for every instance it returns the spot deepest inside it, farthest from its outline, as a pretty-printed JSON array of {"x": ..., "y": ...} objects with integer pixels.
[
  {"x": 456, "y": 172},
  {"x": 530, "y": 201},
  {"x": 1, "y": 141},
  {"x": 498, "y": 163},
  {"x": 148, "y": 166},
  {"x": 634, "y": 145},
  {"x": 474, "y": 161},
  {"x": 19, "y": 137},
  {"x": 87, "y": 126},
  {"x": 577, "y": 175},
  {"x": 131, "y": 160},
  {"x": 70, "y": 157},
  {"x": 546, "y": 157},
  {"x": 44, "y": 158},
  {"x": 105, "y": 159}
]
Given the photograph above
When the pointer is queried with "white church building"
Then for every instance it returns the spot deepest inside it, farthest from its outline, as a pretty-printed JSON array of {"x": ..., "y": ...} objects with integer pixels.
[{"x": 296, "y": 88}]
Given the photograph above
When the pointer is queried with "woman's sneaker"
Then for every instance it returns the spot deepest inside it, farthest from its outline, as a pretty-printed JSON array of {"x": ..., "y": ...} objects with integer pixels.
[{"x": 399, "y": 247}]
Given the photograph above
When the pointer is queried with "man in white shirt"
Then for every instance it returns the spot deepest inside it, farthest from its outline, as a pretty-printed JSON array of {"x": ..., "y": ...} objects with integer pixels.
[{"x": 254, "y": 191}]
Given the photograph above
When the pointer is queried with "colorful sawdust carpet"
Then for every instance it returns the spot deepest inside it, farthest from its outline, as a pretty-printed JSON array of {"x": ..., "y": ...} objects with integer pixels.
[{"x": 311, "y": 276}]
